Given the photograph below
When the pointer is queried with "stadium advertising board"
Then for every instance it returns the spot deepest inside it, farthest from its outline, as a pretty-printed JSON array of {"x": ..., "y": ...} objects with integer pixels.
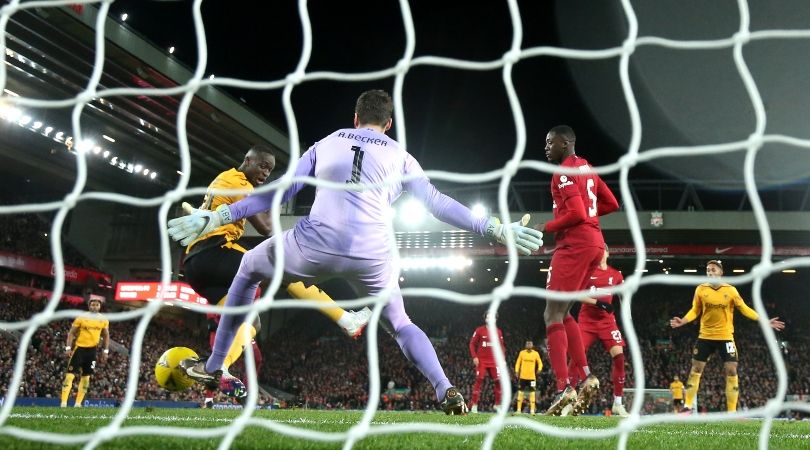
[
  {"x": 34, "y": 293},
  {"x": 150, "y": 290},
  {"x": 46, "y": 269}
]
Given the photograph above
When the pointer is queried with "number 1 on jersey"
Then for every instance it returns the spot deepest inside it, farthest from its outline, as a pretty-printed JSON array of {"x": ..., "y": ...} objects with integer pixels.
[{"x": 357, "y": 164}]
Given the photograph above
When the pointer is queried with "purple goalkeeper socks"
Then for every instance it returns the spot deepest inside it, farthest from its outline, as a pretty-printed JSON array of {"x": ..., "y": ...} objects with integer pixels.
[
  {"x": 418, "y": 349},
  {"x": 242, "y": 292}
]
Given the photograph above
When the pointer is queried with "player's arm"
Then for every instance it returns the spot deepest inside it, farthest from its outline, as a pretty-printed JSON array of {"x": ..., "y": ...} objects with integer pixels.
[
  {"x": 539, "y": 363},
  {"x": 451, "y": 212},
  {"x": 574, "y": 214},
  {"x": 71, "y": 338},
  {"x": 200, "y": 222},
  {"x": 105, "y": 343},
  {"x": 517, "y": 364},
  {"x": 474, "y": 341},
  {"x": 748, "y": 312},
  {"x": 604, "y": 306},
  {"x": 261, "y": 222},
  {"x": 676, "y": 322},
  {"x": 606, "y": 202}
]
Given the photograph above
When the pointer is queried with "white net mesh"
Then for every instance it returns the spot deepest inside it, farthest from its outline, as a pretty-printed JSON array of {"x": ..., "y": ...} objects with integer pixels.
[{"x": 511, "y": 56}]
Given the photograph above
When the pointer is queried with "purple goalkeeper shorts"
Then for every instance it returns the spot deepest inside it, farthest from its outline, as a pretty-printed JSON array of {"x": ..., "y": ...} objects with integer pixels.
[{"x": 368, "y": 277}]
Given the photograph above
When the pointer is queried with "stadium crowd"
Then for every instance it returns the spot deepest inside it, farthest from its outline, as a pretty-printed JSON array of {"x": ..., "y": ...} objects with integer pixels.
[
  {"x": 303, "y": 355},
  {"x": 28, "y": 234}
]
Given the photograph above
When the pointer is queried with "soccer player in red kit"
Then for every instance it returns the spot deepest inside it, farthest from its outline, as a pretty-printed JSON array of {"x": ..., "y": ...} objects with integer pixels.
[
  {"x": 579, "y": 200},
  {"x": 484, "y": 360},
  {"x": 597, "y": 322}
]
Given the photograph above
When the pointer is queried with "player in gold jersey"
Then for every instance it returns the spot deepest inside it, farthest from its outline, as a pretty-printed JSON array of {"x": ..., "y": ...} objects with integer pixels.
[
  {"x": 527, "y": 366},
  {"x": 82, "y": 341},
  {"x": 715, "y": 303},
  {"x": 212, "y": 260},
  {"x": 676, "y": 388}
]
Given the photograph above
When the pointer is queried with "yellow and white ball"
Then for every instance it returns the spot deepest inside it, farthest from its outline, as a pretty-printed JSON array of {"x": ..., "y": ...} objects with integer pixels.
[{"x": 168, "y": 374}]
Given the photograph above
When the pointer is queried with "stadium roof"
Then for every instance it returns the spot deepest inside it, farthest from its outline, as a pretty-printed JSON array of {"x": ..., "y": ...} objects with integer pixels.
[{"x": 49, "y": 55}]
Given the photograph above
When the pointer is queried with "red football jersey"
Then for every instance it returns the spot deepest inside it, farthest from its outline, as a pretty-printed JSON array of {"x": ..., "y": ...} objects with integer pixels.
[
  {"x": 481, "y": 348},
  {"x": 579, "y": 200},
  {"x": 600, "y": 279}
]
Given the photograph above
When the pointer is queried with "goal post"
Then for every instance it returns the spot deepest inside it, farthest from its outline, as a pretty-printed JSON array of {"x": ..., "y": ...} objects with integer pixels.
[{"x": 654, "y": 400}]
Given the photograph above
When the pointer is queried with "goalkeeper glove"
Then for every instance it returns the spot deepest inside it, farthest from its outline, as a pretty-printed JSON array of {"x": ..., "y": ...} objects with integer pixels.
[
  {"x": 604, "y": 306},
  {"x": 198, "y": 222},
  {"x": 527, "y": 240}
]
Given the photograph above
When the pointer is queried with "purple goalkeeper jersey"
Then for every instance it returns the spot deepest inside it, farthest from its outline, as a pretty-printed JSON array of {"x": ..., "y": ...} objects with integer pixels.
[{"x": 355, "y": 223}]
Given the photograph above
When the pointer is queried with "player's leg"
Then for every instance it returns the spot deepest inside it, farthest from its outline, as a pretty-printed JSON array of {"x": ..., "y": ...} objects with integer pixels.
[
  {"x": 519, "y": 402},
  {"x": 533, "y": 397},
  {"x": 557, "y": 345},
  {"x": 256, "y": 265},
  {"x": 495, "y": 374},
  {"x": 88, "y": 367},
  {"x": 352, "y": 322},
  {"x": 67, "y": 383},
  {"x": 480, "y": 374},
  {"x": 557, "y": 340},
  {"x": 701, "y": 351},
  {"x": 732, "y": 381},
  {"x": 372, "y": 278},
  {"x": 568, "y": 272},
  {"x": 244, "y": 336},
  {"x": 576, "y": 348},
  {"x": 575, "y": 374},
  {"x": 210, "y": 272},
  {"x": 693, "y": 383},
  {"x": 588, "y": 259},
  {"x": 81, "y": 391},
  {"x": 616, "y": 351}
]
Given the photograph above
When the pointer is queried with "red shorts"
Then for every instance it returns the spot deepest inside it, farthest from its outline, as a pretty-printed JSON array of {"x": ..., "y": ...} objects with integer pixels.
[
  {"x": 609, "y": 335},
  {"x": 570, "y": 268},
  {"x": 485, "y": 369}
]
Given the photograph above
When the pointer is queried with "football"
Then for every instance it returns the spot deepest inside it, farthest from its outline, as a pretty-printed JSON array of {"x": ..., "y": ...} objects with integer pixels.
[{"x": 167, "y": 373}]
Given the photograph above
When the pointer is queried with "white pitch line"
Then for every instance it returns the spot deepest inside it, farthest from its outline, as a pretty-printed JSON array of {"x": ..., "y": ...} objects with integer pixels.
[{"x": 302, "y": 420}]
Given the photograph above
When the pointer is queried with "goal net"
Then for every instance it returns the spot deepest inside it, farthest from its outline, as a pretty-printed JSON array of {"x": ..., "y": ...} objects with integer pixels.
[{"x": 745, "y": 149}]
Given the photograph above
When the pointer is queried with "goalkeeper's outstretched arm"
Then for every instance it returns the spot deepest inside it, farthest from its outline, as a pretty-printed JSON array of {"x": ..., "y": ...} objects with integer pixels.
[{"x": 450, "y": 211}]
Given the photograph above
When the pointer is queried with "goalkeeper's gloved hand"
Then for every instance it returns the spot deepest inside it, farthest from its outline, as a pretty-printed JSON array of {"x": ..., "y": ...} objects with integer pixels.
[
  {"x": 527, "y": 240},
  {"x": 605, "y": 306},
  {"x": 198, "y": 222}
]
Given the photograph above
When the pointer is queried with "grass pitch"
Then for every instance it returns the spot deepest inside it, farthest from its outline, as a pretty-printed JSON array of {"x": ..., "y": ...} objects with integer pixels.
[{"x": 284, "y": 429}]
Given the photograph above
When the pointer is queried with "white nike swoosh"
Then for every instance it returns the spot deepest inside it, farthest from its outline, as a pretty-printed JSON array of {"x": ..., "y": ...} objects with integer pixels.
[
  {"x": 593, "y": 278},
  {"x": 548, "y": 250},
  {"x": 719, "y": 250}
]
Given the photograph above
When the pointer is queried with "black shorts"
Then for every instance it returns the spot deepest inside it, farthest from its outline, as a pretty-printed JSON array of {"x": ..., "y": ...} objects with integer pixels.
[
  {"x": 527, "y": 385},
  {"x": 704, "y": 348},
  {"x": 83, "y": 358},
  {"x": 677, "y": 402},
  {"x": 211, "y": 271}
]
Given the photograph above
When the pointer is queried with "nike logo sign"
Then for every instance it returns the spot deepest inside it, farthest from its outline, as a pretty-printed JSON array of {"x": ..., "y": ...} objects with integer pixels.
[
  {"x": 548, "y": 250},
  {"x": 593, "y": 278},
  {"x": 718, "y": 250}
]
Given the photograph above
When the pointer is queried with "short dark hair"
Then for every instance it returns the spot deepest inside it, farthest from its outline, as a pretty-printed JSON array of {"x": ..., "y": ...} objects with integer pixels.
[
  {"x": 261, "y": 148},
  {"x": 564, "y": 131},
  {"x": 716, "y": 262},
  {"x": 374, "y": 107}
]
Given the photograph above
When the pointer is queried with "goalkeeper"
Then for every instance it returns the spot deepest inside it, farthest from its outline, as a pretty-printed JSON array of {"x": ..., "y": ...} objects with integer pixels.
[
  {"x": 348, "y": 234},
  {"x": 212, "y": 260}
]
